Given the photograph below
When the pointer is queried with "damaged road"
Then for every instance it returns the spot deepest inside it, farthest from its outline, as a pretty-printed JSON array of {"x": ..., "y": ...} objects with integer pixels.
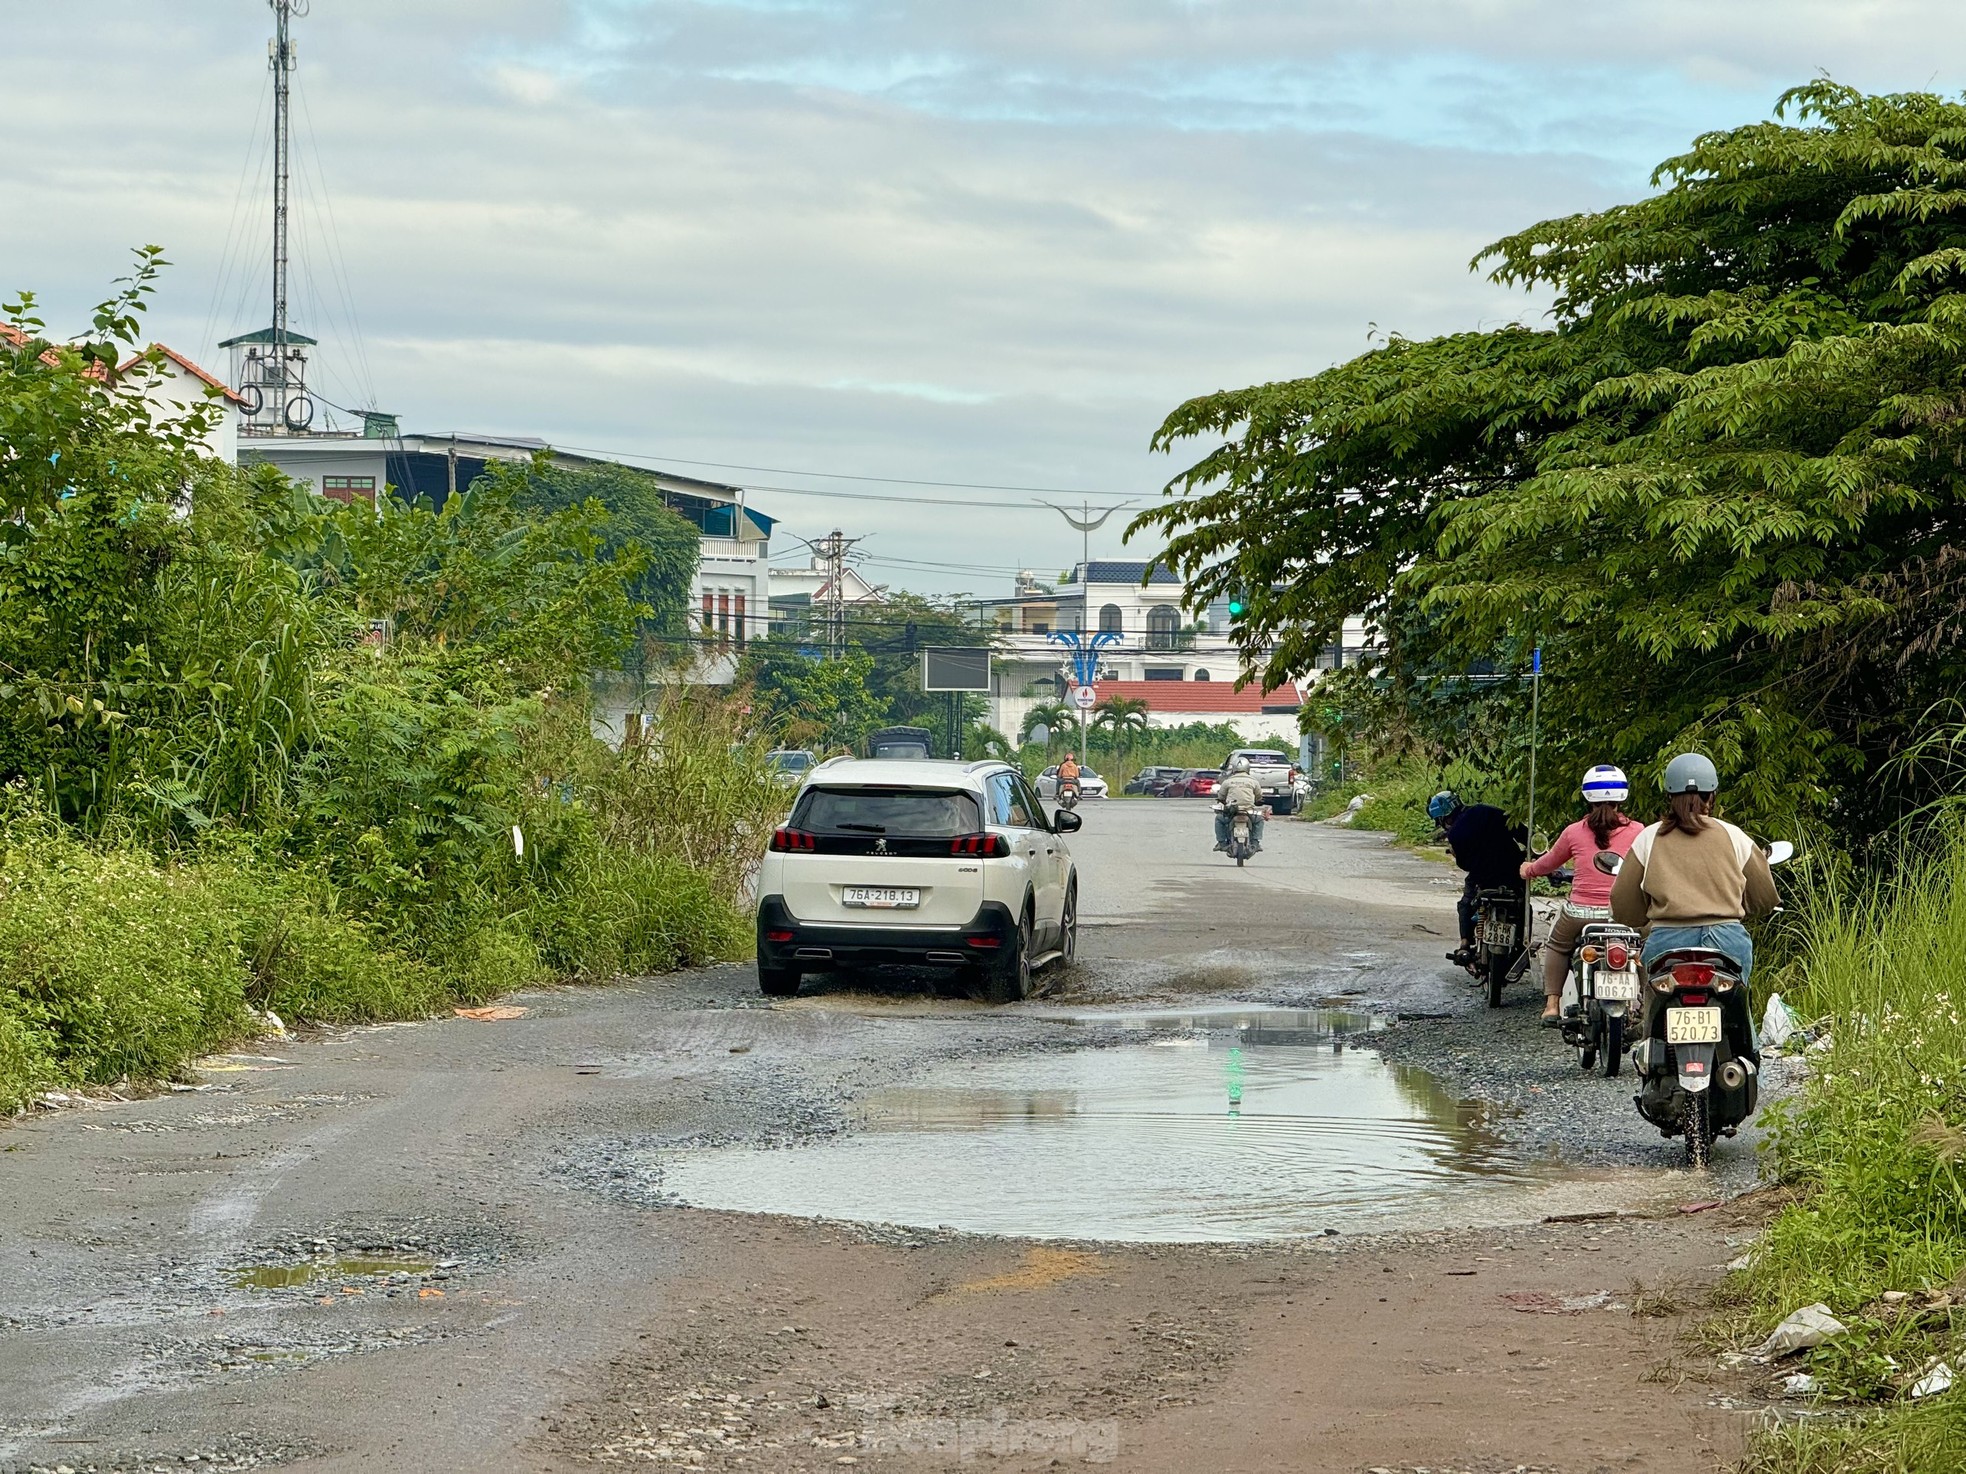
[{"x": 1259, "y": 1184}]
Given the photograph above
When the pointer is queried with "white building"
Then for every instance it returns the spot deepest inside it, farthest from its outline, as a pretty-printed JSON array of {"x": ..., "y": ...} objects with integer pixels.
[{"x": 1180, "y": 661}]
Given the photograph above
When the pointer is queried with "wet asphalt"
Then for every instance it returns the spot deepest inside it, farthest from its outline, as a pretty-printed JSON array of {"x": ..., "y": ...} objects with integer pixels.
[{"x": 458, "y": 1214}]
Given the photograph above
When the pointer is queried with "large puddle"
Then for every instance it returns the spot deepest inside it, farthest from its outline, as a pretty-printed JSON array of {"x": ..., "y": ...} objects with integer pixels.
[{"x": 1220, "y": 1125}]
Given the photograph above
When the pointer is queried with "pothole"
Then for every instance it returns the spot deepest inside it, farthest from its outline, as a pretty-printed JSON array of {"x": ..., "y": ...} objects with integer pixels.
[
  {"x": 1220, "y": 1124},
  {"x": 333, "y": 1267}
]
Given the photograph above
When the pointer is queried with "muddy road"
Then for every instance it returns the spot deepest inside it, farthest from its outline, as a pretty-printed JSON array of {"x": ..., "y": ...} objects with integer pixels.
[{"x": 1258, "y": 1185}]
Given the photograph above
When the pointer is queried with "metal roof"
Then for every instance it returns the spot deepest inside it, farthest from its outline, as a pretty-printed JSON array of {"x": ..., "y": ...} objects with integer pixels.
[
  {"x": 1128, "y": 571},
  {"x": 265, "y": 335}
]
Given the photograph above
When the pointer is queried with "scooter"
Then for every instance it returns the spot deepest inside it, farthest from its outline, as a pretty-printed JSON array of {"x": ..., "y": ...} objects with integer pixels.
[
  {"x": 1601, "y": 995},
  {"x": 1696, "y": 1061},
  {"x": 1068, "y": 794},
  {"x": 1242, "y": 833}
]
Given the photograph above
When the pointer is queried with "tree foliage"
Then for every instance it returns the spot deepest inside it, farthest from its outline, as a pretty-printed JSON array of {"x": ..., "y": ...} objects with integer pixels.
[{"x": 1721, "y": 488}]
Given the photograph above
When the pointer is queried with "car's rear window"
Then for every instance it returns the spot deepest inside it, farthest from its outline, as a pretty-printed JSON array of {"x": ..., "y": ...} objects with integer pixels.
[
  {"x": 914, "y": 812},
  {"x": 1262, "y": 757},
  {"x": 791, "y": 762}
]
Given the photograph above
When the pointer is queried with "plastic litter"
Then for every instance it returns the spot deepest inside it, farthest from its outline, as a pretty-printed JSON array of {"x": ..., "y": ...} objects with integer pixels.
[
  {"x": 1936, "y": 1378},
  {"x": 1778, "y": 1023},
  {"x": 490, "y": 1015},
  {"x": 1810, "y": 1326},
  {"x": 1798, "y": 1384}
]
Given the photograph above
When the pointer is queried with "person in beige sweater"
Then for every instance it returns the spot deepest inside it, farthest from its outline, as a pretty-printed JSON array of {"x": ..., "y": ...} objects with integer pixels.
[{"x": 1691, "y": 879}]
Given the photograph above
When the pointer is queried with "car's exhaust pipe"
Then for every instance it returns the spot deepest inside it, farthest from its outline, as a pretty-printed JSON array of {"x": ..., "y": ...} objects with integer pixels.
[
  {"x": 945, "y": 957},
  {"x": 814, "y": 954}
]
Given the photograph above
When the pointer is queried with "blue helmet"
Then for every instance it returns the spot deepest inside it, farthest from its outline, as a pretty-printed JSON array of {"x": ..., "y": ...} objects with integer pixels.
[
  {"x": 1442, "y": 805},
  {"x": 1605, "y": 784}
]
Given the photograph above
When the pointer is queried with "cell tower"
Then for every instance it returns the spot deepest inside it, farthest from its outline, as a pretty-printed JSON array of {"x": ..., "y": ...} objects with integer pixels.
[{"x": 269, "y": 367}]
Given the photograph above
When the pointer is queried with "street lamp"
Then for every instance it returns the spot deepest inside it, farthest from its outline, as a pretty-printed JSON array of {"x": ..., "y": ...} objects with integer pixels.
[{"x": 1085, "y": 650}]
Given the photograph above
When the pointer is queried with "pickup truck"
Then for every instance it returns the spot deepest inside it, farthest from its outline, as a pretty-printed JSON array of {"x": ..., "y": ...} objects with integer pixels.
[{"x": 1282, "y": 784}]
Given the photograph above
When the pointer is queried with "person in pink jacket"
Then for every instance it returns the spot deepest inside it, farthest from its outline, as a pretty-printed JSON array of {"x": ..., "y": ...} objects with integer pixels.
[{"x": 1604, "y": 827}]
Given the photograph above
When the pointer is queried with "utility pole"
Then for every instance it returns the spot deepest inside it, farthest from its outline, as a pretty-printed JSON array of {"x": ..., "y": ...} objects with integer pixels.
[
  {"x": 832, "y": 551},
  {"x": 281, "y": 58}
]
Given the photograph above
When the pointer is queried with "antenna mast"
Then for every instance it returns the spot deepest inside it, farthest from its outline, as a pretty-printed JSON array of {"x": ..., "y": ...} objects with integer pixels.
[{"x": 281, "y": 56}]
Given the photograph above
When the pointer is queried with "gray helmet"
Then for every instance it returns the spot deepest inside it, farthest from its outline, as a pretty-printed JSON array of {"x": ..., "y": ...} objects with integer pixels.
[{"x": 1692, "y": 772}]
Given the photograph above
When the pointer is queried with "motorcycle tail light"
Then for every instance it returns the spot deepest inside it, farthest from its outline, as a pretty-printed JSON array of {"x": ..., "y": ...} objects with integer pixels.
[
  {"x": 1693, "y": 1000},
  {"x": 787, "y": 840},
  {"x": 1722, "y": 983},
  {"x": 1692, "y": 974},
  {"x": 1589, "y": 954},
  {"x": 1662, "y": 983},
  {"x": 983, "y": 846},
  {"x": 1617, "y": 955}
]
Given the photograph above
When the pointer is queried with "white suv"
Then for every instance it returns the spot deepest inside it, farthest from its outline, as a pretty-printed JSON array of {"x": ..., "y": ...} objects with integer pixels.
[{"x": 921, "y": 863}]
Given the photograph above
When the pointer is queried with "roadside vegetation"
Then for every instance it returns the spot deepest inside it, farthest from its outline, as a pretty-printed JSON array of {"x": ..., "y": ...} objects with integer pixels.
[{"x": 263, "y": 751}]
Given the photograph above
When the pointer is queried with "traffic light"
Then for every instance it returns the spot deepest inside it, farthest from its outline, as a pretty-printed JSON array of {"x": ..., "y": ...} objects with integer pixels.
[{"x": 1235, "y": 608}]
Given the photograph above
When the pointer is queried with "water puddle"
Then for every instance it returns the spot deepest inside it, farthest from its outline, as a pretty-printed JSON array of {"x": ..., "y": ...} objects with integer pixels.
[
  {"x": 333, "y": 1267},
  {"x": 1222, "y": 1124}
]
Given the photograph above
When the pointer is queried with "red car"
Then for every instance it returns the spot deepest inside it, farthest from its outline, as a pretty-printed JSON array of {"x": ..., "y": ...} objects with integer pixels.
[{"x": 1201, "y": 783}]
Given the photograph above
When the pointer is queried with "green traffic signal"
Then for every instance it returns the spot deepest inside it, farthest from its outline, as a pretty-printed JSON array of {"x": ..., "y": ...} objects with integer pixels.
[{"x": 1235, "y": 608}]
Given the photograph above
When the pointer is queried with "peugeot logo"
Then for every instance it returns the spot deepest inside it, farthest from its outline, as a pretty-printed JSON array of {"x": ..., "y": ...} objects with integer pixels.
[{"x": 880, "y": 844}]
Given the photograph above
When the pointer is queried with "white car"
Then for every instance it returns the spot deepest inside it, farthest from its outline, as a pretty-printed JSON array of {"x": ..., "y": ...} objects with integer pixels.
[
  {"x": 921, "y": 863},
  {"x": 1091, "y": 785}
]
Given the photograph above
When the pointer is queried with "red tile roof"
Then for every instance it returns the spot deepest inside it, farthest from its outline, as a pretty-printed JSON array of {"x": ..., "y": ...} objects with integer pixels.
[
  {"x": 1205, "y": 697},
  {"x": 190, "y": 368}
]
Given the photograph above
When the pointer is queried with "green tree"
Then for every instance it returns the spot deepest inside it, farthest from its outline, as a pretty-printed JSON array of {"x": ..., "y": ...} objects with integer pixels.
[
  {"x": 1124, "y": 720},
  {"x": 827, "y": 704},
  {"x": 1054, "y": 716},
  {"x": 1722, "y": 489}
]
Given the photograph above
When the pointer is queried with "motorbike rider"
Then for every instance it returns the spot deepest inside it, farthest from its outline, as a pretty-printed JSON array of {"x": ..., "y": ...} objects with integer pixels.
[
  {"x": 1068, "y": 772},
  {"x": 1482, "y": 843},
  {"x": 1604, "y": 827},
  {"x": 1239, "y": 790},
  {"x": 1691, "y": 879}
]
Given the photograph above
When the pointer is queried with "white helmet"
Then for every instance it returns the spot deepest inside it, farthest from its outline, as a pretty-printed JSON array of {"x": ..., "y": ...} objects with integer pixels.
[
  {"x": 1605, "y": 784},
  {"x": 1239, "y": 765}
]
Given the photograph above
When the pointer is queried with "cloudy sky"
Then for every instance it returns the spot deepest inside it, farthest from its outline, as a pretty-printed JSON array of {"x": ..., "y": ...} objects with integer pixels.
[{"x": 955, "y": 241}]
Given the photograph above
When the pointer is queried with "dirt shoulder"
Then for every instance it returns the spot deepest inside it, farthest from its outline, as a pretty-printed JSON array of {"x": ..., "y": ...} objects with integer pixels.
[{"x": 794, "y": 1346}]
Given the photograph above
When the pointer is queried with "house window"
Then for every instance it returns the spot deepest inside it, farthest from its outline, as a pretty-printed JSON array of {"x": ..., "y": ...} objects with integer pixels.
[
  {"x": 709, "y": 616},
  {"x": 738, "y": 613},
  {"x": 348, "y": 488},
  {"x": 1163, "y": 624},
  {"x": 723, "y": 619},
  {"x": 1203, "y": 675},
  {"x": 1163, "y": 673},
  {"x": 1109, "y": 619}
]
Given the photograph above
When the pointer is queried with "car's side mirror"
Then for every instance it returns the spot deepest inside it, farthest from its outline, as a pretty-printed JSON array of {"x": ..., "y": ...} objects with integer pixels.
[
  {"x": 1066, "y": 822},
  {"x": 1608, "y": 861}
]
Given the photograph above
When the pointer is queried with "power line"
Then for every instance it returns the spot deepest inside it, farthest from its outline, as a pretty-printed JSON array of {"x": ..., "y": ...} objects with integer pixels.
[{"x": 847, "y": 476}]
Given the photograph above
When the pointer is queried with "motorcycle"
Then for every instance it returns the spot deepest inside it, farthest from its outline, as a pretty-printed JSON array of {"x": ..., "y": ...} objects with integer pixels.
[
  {"x": 1501, "y": 940},
  {"x": 1600, "y": 995},
  {"x": 1242, "y": 833},
  {"x": 1068, "y": 794},
  {"x": 1697, "y": 1059}
]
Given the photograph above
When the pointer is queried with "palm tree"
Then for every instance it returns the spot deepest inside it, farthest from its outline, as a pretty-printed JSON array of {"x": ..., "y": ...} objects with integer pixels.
[
  {"x": 1054, "y": 716},
  {"x": 1126, "y": 718}
]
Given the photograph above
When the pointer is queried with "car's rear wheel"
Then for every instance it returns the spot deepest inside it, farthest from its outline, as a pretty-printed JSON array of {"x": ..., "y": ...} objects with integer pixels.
[
  {"x": 778, "y": 982},
  {"x": 1068, "y": 926},
  {"x": 1008, "y": 977}
]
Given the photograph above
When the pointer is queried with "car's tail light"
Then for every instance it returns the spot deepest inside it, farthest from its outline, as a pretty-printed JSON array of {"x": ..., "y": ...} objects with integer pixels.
[
  {"x": 1294, "y": 775},
  {"x": 778, "y": 936},
  {"x": 1692, "y": 975},
  {"x": 984, "y": 846},
  {"x": 1617, "y": 954},
  {"x": 787, "y": 840},
  {"x": 985, "y": 943}
]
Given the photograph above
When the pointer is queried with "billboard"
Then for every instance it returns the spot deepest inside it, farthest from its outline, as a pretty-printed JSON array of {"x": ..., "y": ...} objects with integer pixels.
[{"x": 963, "y": 668}]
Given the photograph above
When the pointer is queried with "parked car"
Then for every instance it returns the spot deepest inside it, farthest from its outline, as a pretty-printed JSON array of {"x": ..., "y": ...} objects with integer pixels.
[
  {"x": 1276, "y": 773},
  {"x": 1091, "y": 785},
  {"x": 901, "y": 742},
  {"x": 918, "y": 862},
  {"x": 1151, "y": 780},
  {"x": 789, "y": 765},
  {"x": 1176, "y": 784},
  {"x": 1201, "y": 783}
]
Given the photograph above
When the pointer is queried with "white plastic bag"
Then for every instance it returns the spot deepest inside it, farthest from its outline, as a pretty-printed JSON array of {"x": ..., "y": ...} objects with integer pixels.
[
  {"x": 1778, "y": 1023},
  {"x": 1810, "y": 1326}
]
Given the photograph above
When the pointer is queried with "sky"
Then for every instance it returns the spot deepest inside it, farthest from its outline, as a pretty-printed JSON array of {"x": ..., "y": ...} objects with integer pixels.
[{"x": 989, "y": 242}]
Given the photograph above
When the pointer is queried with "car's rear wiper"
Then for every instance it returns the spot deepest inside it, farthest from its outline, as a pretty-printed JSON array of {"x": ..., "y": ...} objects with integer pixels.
[{"x": 864, "y": 828}]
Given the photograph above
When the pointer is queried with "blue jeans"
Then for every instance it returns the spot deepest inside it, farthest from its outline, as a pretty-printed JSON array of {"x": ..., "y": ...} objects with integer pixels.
[{"x": 1729, "y": 937}]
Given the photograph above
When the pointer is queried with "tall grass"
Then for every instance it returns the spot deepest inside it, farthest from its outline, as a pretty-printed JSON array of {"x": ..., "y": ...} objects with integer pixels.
[{"x": 1877, "y": 1147}]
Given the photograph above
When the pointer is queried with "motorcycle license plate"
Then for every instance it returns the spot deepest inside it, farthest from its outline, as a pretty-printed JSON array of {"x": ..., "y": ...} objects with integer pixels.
[
  {"x": 1692, "y": 1026},
  {"x": 1616, "y": 987},
  {"x": 885, "y": 898}
]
